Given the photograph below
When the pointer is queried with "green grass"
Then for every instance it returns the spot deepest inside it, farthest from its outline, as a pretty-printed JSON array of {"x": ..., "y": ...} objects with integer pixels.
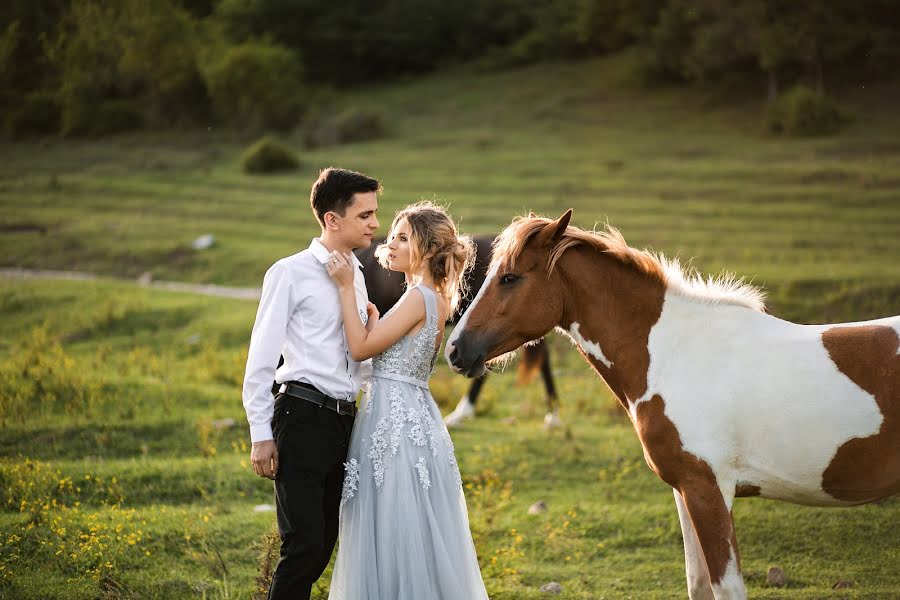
[
  {"x": 684, "y": 171},
  {"x": 125, "y": 384}
]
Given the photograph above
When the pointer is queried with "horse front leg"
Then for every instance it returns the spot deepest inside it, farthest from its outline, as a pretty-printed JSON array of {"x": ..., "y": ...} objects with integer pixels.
[
  {"x": 465, "y": 409},
  {"x": 699, "y": 585},
  {"x": 551, "y": 419},
  {"x": 709, "y": 513}
]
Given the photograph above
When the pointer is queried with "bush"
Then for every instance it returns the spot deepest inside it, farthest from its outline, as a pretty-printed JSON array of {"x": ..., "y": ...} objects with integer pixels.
[
  {"x": 319, "y": 131},
  {"x": 359, "y": 125},
  {"x": 39, "y": 114},
  {"x": 145, "y": 52},
  {"x": 82, "y": 118},
  {"x": 268, "y": 156},
  {"x": 257, "y": 86},
  {"x": 804, "y": 112}
]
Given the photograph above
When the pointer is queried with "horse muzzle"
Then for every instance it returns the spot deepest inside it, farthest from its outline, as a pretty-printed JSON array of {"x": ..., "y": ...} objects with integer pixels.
[{"x": 466, "y": 355}]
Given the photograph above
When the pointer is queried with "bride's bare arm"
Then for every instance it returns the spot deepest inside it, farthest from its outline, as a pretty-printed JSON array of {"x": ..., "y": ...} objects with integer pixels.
[{"x": 364, "y": 344}]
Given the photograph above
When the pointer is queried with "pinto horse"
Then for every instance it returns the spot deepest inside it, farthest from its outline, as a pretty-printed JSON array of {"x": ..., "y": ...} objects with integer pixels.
[
  {"x": 385, "y": 288},
  {"x": 727, "y": 400}
]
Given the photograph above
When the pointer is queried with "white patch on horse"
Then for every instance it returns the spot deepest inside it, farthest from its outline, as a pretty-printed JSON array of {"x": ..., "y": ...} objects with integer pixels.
[
  {"x": 731, "y": 585},
  {"x": 756, "y": 398},
  {"x": 592, "y": 348},
  {"x": 451, "y": 341}
]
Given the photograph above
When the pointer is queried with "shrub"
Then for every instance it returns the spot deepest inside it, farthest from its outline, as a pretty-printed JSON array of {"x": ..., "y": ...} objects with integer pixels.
[
  {"x": 268, "y": 156},
  {"x": 39, "y": 114},
  {"x": 360, "y": 124},
  {"x": 319, "y": 131},
  {"x": 804, "y": 112},
  {"x": 257, "y": 86},
  {"x": 82, "y": 118}
]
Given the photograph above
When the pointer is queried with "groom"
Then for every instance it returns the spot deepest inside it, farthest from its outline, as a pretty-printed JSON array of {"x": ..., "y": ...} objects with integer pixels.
[{"x": 300, "y": 426}]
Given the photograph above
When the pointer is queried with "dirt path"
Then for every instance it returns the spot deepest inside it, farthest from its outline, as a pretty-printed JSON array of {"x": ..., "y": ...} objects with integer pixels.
[{"x": 220, "y": 291}]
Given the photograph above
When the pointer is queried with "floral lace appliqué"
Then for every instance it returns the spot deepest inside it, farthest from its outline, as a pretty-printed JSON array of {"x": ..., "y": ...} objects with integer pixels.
[
  {"x": 424, "y": 478},
  {"x": 378, "y": 449},
  {"x": 398, "y": 416},
  {"x": 415, "y": 433},
  {"x": 351, "y": 480},
  {"x": 412, "y": 356}
]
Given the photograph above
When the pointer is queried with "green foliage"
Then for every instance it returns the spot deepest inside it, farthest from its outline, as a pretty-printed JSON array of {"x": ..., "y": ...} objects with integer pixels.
[
  {"x": 129, "y": 63},
  {"x": 81, "y": 118},
  {"x": 360, "y": 124},
  {"x": 9, "y": 43},
  {"x": 39, "y": 114},
  {"x": 356, "y": 124},
  {"x": 257, "y": 86},
  {"x": 41, "y": 379},
  {"x": 268, "y": 155},
  {"x": 803, "y": 111}
]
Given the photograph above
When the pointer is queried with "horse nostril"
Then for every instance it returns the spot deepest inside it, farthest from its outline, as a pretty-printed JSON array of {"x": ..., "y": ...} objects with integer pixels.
[{"x": 454, "y": 354}]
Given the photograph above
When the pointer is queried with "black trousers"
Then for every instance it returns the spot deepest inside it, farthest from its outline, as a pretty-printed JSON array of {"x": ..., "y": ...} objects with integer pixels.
[{"x": 312, "y": 446}]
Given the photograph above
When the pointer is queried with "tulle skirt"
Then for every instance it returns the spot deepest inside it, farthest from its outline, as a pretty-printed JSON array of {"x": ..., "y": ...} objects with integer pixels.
[{"x": 404, "y": 528}]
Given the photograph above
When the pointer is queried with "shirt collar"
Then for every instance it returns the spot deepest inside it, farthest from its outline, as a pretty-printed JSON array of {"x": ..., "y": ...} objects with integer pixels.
[{"x": 322, "y": 253}]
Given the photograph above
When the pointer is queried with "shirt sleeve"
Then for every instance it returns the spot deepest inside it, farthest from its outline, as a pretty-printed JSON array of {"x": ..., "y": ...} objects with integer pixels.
[
  {"x": 266, "y": 343},
  {"x": 362, "y": 302}
]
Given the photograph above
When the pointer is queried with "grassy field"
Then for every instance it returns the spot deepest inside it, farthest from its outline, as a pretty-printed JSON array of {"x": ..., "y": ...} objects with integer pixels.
[{"x": 121, "y": 476}]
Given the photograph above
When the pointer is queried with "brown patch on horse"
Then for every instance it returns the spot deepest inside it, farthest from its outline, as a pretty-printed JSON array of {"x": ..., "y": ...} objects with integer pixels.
[
  {"x": 865, "y": 469},
  {"x": 694, "y": 479},
  {"x": 628, "y": 303},
  {"x": 746, "y": 490}
]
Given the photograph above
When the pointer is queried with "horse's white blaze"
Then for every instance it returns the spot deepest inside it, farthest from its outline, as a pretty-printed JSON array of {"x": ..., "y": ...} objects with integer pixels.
[
  {"x": 462, "y": 321},
  {"x": 775, "y": 407},
  {"x": 592, "y": 348}
]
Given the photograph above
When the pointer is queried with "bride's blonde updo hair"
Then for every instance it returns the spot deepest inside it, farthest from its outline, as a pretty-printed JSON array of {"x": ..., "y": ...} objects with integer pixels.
[{"x": 433, "y": 234}]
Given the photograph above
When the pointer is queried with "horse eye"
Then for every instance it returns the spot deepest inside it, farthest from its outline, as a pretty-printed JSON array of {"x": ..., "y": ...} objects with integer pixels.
[{"x": 508, "y": 279}]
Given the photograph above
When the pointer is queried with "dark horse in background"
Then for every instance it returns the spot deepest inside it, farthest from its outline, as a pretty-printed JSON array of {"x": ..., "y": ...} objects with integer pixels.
[{"x": 385, "y": 288}]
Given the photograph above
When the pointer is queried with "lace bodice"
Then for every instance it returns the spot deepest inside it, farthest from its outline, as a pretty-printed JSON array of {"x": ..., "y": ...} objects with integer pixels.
[{"x": 413, "y": 355}]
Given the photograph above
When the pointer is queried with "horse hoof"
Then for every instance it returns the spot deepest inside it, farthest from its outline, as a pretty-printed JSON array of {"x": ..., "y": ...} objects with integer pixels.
[
  {"x": 552, "y": 421},
  {"x": 464, "y": 410}
]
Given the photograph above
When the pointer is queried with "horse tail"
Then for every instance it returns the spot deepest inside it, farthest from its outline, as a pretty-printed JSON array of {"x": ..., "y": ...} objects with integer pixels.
[{"x": 531, "y": 361}]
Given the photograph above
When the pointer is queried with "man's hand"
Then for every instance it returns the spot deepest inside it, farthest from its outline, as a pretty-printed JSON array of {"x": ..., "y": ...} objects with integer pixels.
[{"x": 264, "y": 458}]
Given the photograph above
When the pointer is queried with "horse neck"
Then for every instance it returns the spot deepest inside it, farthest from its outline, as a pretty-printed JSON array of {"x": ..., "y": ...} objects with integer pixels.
[{"x": 609, "y": 310}]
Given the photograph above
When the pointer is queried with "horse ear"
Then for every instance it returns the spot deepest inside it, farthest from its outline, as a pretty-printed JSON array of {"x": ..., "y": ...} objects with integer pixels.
[{"x": 555, "y": 231}]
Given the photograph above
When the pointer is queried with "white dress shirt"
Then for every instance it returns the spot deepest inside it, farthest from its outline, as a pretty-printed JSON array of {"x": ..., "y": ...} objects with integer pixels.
[{"x": 299, "y": 317}]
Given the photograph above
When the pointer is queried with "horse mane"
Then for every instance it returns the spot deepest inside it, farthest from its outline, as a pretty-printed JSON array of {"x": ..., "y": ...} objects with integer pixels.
[{"x": 683, "y": 281}]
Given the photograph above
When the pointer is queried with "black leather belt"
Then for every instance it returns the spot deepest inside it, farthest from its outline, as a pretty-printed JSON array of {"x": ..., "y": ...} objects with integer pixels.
[{"x": 310, "y": 394}]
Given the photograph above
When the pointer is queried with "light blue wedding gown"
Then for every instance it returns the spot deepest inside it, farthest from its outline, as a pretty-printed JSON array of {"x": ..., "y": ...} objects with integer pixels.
[{"x": 404, "y": 529}]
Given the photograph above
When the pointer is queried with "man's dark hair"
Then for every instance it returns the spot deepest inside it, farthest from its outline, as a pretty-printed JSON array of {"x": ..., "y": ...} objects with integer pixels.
[{"x": 333, "y": 191}]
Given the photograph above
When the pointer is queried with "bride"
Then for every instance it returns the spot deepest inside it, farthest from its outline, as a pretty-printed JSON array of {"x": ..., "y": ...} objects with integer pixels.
[{"x": 404, "y": 529}]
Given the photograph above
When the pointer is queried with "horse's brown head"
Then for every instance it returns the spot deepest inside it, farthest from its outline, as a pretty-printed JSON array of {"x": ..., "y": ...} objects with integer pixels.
[{"x": 521, "y": 299}]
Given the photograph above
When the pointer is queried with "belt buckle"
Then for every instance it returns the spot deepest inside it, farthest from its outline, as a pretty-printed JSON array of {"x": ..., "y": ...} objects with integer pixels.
[{"x": 341, "y": 410}]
